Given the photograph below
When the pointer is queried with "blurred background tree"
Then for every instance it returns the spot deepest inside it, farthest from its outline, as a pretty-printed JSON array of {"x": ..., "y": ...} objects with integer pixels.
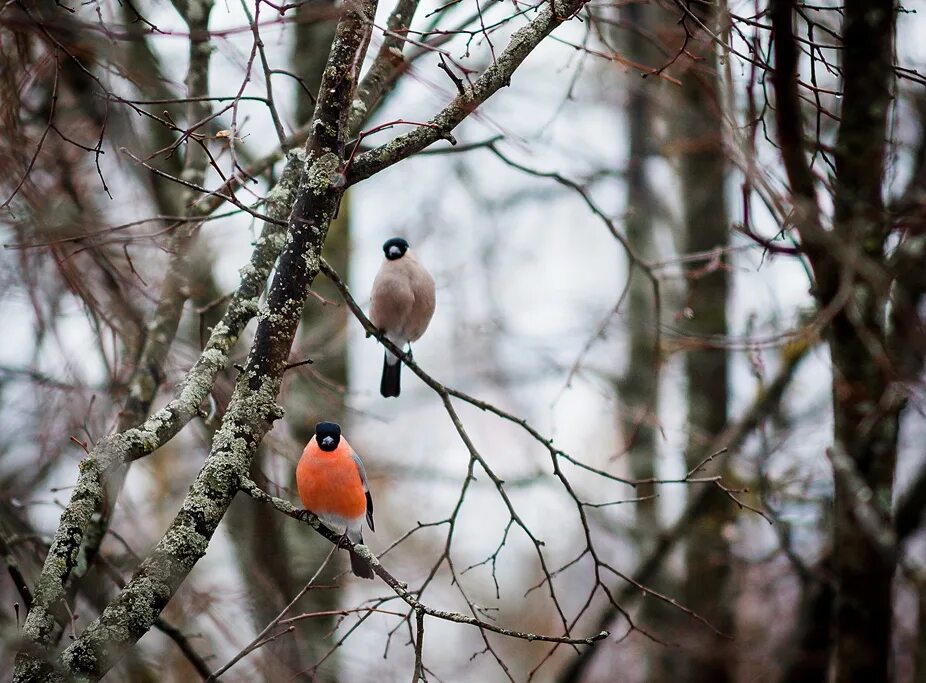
[{"x": 673, "y": 388}]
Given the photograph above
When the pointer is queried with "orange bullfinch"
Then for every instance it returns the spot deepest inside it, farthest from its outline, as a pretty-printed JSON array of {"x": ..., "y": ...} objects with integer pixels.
[
  {"x": 333, "y": 484},
  {"x": 402, "y": 305}
]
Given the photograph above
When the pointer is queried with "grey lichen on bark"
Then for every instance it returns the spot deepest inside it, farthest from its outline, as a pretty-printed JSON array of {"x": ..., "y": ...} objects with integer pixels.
[
  {"x": 253, "y": 406},
  {"x": 140, "y": 441},
  {"x": 84, "y": 521},
  {"x": 132, "y": 613},
  {"x": 148, "y": 374}
]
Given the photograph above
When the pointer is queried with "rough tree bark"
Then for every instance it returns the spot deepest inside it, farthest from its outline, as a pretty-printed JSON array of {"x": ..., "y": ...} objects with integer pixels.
[
  {"x": 872, "y": 318},
  {"x": 286, "y": 552},
  {"x": 75, "y": 549},
  {"x": 149, "y": 367},
  {"x": 253, "y": 406}
]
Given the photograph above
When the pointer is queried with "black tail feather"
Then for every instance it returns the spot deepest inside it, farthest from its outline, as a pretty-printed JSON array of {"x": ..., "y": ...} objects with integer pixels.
[
  {"x": 359, "y": 567},
  {"x": 389, "y": 386}
]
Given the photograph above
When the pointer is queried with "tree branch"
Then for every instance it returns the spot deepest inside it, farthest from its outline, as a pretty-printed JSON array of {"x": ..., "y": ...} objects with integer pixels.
[
  {"x": 91, "y": 504},
  {"x": 148, "y": 374},
  {"x": 400, "y": 588},
  {"x": 163, "y": 425},
  {"x": 253, "y": 404},
  {"x": 495, "y": 77},
  {"x": 789, "y": 118}
]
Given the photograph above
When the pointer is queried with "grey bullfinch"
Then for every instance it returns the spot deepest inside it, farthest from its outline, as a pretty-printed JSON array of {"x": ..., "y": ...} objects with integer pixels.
[{"x": 402, "y": 305}]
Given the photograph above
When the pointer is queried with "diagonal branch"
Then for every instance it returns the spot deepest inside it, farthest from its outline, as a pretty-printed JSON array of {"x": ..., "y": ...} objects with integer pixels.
[
  {"x": 148, "y": 373},
  {"x": 253, "y": 407},
  {"x": 495, "y": 77},
  {"x": 788, "y": 118},
  {"x": 400, "y": 588},
  {"x": 163, "y": 425},
  {"x": 91, "y": 505}
]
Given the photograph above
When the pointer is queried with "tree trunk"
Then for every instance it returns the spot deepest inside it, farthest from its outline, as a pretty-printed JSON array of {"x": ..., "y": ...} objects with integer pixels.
[
  {"x": 866, "y": 410},
  {"x": 697, "y": 129},
  {"x": 637, "y": 389},
  {"x": 288, "y": 553}
]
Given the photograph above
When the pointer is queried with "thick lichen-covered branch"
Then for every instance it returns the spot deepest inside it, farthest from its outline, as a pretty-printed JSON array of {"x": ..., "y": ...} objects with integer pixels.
[
  {"x": 148, "y": 374},
  {"x": 253, "y": 407},
  {"x": 86, "y": 517},
  {"x": 163, "y": 425},
  {"x": 162, "y": 329}
]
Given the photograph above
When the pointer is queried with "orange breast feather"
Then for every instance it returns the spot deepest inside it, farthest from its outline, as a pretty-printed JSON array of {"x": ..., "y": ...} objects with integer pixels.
[{"x": 330, "y": 482}]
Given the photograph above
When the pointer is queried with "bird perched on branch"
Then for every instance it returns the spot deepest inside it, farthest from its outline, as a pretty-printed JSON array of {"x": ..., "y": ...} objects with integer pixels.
[
  {"x": 333, "y": 484},
  {"x": 402, "y": 305}
]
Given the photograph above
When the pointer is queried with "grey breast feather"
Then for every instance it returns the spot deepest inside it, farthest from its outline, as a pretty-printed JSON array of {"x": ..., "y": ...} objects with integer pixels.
[{"x": 403, "y": 298}]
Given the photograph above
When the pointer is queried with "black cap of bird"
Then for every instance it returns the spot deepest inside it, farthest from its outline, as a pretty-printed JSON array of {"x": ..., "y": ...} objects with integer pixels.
[{"x": 402, "y": 305}]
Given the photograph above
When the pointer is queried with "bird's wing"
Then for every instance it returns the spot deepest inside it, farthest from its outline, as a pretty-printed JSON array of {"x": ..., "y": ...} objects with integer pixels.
[
  {"x": 366, "y": 488},
  {"x": 425, "y": 299}
]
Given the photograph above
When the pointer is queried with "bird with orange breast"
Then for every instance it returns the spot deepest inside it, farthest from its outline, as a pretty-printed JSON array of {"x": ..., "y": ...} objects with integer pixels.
[
  {"x": 333, "y": 484},
  {"x": 402, "y": 303}
]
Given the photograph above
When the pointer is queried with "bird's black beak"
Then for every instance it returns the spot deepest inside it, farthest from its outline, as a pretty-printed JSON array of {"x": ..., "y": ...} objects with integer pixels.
[
  {"x": 395, "y": 252},
  {"x": 328, "y": 442}
]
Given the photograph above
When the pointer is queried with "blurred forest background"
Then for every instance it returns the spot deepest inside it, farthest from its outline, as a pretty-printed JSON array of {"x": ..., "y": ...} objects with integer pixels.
[{"x": 673, "y": 389}]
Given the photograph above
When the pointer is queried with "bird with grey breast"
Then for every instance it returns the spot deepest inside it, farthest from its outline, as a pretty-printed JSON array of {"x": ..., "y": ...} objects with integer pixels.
[{"x": 402, "y": 305}]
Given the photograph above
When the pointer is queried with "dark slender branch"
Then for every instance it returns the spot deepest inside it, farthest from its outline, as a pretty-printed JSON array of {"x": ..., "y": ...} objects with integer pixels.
[
  {"x": 400, "y": 588},
  {"x": 12, "y": 566},
  {"x": 765, "y": 403},
  {"x": 789, "y": 118},
  {"x": 176, "y": 635},
  {"x": 261, "y": 638},
  {"x": 418, "y": 673}
]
